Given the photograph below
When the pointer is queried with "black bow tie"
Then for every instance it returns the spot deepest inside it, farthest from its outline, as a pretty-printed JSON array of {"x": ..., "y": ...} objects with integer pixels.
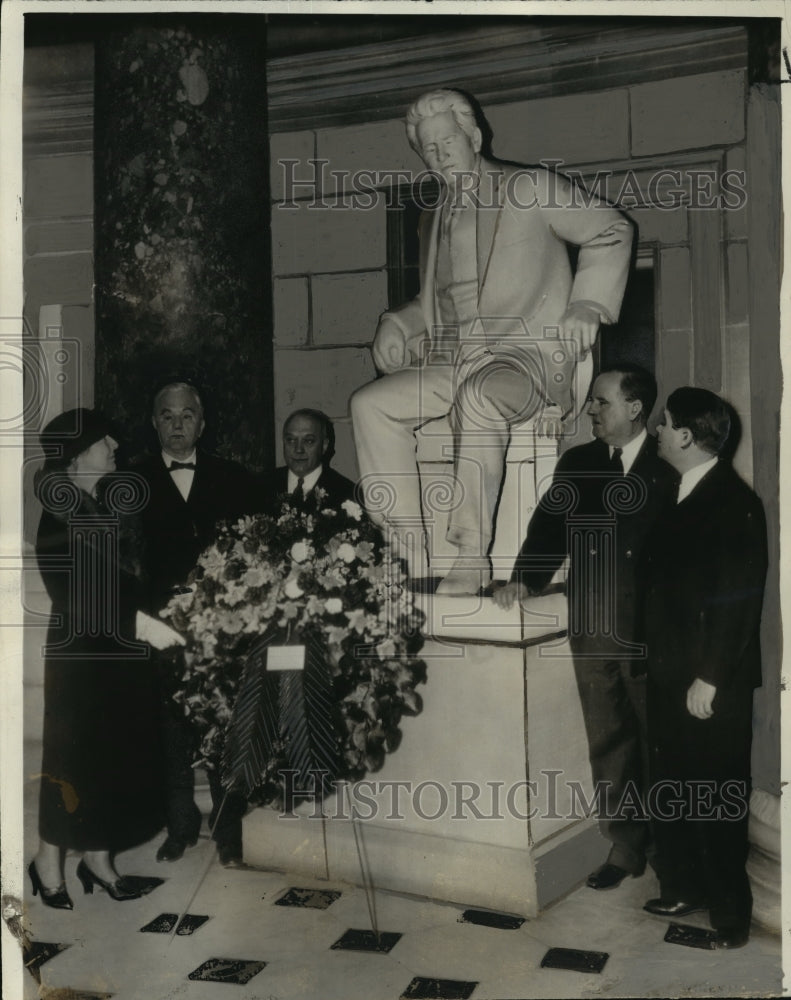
[{"x": 180, "y": 465}]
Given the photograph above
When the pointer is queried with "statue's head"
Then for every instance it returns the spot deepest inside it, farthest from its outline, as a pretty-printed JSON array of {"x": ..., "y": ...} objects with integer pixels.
[{"x": 442, "y": 128}]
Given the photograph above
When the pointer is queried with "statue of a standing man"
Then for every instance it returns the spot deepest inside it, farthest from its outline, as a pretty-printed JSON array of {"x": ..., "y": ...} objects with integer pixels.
[{"x": 494, "y": 334}]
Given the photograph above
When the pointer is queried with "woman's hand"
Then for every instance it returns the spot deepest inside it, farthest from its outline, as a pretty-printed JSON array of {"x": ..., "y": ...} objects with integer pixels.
[{"x": 156, "y": 633}]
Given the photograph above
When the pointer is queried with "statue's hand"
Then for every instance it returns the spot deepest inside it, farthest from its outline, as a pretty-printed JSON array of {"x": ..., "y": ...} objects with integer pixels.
[
  {"x": 581, "y": 323},
  {"x": 389, "y": 347}
]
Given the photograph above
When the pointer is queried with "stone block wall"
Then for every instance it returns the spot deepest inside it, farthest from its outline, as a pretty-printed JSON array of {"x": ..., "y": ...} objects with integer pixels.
[
  {"x": 329, "y": 262},
  {"x": 58, "y": 267},
  {"x": 329, "y": 267}
]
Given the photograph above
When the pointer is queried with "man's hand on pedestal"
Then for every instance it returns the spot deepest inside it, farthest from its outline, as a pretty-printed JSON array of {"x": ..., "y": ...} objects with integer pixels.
[
  {"x": 505, "y": 596},
  {"x": 581, "y": 323},
  {"x": 389, "y": 347}
]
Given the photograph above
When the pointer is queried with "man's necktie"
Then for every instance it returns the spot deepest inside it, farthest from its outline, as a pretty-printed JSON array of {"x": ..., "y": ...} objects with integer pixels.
[
  {"x": 180, "y": 465},
  {"x": 616, "y": 462},
  {"x": 298, "y": 496}
]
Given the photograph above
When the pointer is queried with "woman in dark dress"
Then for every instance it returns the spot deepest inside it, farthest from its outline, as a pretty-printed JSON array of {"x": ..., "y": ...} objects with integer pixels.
[{"x": 102, "y": 776}]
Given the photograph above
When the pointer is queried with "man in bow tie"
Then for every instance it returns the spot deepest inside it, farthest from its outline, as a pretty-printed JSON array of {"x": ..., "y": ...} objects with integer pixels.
[
  {"x": 308, "y": 439},
  {"x": 494, "y": 335},
  {"x": 192, "y": 491},
  {"x": 603, "y": 499}
]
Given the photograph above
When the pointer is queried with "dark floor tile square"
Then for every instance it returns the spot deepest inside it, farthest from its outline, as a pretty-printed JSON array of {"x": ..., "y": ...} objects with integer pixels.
[
  {"x": 165, "y": 922},
  {"x": 361, "y": 940},
  {"x": 423, "y": 988},
  {"x": 190, "y": 922},
  {"x": 39, "y": 952},
  {"x": 691, "y": 937},
  {"x": 485, "y": 918},
  {"x": 227, "y": 970},
  {"x": 574, "y": 960},
  {"x": 144, "y": 883},
  {"x": 315, "y": 899}
]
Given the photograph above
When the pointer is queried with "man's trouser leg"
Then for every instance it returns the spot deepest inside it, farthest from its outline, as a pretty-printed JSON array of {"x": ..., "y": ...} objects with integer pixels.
[
  {"x": 226, "y": 822},
  {"x": 178, "y": 737},
  {"x": 612, "y": 705},
  {"x": 711, "y": 759},
  {"x": 677, "y": 862},
  {"x": 385, "y": 415}
]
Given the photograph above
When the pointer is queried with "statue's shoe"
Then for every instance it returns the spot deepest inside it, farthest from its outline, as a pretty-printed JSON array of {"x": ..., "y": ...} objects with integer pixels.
[{"x": 467, "y": 575}]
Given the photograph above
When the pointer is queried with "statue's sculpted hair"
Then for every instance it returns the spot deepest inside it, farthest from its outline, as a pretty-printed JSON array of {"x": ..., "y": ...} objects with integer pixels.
[{"x": 434, "y": 103}]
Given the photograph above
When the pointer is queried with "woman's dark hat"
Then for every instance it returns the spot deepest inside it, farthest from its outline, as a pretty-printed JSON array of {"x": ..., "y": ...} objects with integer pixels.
[{"x": 71, "y": 433}]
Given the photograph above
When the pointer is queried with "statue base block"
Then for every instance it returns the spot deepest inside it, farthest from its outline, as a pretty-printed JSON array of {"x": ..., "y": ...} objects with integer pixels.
[{"x": 476, "y": 806}]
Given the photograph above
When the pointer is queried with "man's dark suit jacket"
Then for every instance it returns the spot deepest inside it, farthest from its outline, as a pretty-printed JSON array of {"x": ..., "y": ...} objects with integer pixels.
[
  {"x": 582, "y": 474},
  {"x": 177, "y": 531},
  {"x": 704, "y": 568},
  {"x": 336, "y": 487}
]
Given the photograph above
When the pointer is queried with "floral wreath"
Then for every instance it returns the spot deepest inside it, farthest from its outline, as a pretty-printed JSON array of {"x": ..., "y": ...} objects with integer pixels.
[{"x": 318, "y": 577}]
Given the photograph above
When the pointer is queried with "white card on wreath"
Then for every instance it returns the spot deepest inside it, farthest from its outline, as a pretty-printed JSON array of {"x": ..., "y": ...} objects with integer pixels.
[{"x": 285, "y": 658}]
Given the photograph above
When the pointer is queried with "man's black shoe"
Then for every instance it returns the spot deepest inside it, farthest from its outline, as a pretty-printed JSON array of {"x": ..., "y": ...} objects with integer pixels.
[
  {"x": 172, "y": 848},
  {"x": 230, "y": 855},
  {"x": 673, "y": 907},
  {"x": 607, "y": 877},
  {"x": 734, "y": 937}
]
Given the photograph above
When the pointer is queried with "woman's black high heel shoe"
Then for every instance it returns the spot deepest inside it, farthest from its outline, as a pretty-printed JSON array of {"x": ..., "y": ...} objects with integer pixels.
[
  {"x": 58, "y": 899},
  {"x": 120, "y": 889}
]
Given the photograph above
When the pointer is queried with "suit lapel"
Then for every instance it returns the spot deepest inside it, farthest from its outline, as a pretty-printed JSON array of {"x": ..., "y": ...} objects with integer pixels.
[
  {"x": 171, "y": 491},
  {"x": 644, "y": 457},
  {"x": 201, "y": 481},
  {"x": 488, "y": 219},
  {"x": 429, "y": 270},
  {"x": 709, "y": 484}
]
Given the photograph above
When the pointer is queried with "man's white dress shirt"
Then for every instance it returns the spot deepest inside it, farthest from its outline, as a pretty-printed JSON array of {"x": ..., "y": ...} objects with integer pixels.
[
  {"x": 181, "y": 477},
  {"x": 630, "y": 451}
]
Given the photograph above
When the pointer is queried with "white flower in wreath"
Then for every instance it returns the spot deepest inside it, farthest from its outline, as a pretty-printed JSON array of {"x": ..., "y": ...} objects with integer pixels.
[
  {"x": 334, "y": 605},
  {"x": 230, "y": 623},
  {"x": 292, "y": 589},
  {"x": 212, "y": 562},
  {"x": 356, "y": 619},
  {"x": 386, "y": 648},
  {"x": 254, "y": 577},
  {"x": 290, "y": 611},
  {"x": 313, "y": 606},
  {"x": 346, "y": 552},
  {"x": 335, "y": 635},
  {"x": 364, "y": 551},
  {"x": 300, "y": 552},
  {"x": 353, "y": 509}
]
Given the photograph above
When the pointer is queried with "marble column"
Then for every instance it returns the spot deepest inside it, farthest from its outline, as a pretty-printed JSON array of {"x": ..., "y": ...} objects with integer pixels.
[{"x": 182, "y": 226}]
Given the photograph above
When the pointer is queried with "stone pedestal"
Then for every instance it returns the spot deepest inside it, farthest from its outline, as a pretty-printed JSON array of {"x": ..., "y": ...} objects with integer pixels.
[
  {"x": 764, "y": 864},
  {"x": 529, "y": 464},
  {"x": 475, "y": 806}
]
